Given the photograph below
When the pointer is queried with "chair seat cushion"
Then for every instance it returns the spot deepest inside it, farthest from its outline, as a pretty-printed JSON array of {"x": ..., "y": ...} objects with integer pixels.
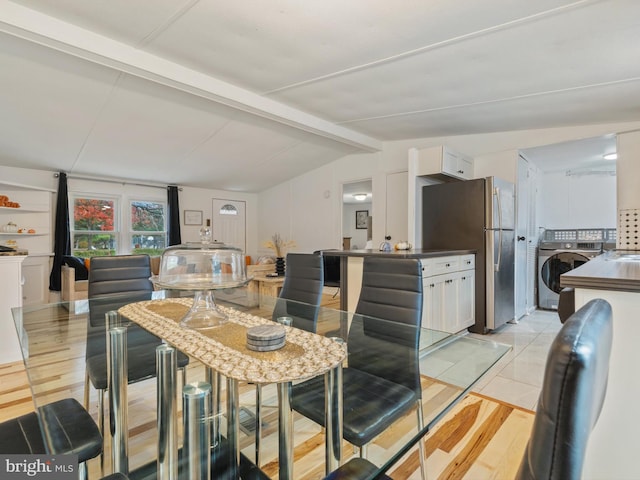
[
  {"x": 21, "y": 435},
  {"x": 66, "y": 425},
  {"x": 370, "y": 403},
  {"x": 355, "y": 469},
  {"x": 69, "y": 429}
]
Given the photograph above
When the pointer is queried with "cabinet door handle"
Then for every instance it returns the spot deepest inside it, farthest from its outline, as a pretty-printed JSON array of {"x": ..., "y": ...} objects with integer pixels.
[
  {"x": 464, "y": 278},
  {"x": 432, "y": 285},
  {"x": 460, "y": 171},
  {"x": 447, "y": 265}
]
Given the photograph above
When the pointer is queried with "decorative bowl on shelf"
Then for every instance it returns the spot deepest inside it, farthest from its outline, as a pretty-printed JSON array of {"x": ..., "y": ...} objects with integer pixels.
[{"x": 202, "y": 267}]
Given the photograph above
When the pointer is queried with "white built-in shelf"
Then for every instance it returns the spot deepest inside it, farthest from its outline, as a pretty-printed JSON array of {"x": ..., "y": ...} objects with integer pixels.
[
  {"x": 29, "y": 209},
  {"x": 16, "y": 234}
]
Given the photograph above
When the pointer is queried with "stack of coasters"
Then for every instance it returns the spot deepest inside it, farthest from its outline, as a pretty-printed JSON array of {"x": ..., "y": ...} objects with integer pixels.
[{"x": 265, "y": 338}]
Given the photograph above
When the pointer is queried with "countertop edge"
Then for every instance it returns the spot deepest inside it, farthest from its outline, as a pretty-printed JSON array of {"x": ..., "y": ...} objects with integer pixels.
[
  {"x": 603, "y": 273},
  {"x": 398, "y": 253}
]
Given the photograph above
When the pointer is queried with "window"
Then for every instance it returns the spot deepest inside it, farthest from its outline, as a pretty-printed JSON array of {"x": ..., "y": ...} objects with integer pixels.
[
  {"x": 228, "y": 210},
  {"x": 94, "y": 229},
  {"x": 148, "y": 232}
]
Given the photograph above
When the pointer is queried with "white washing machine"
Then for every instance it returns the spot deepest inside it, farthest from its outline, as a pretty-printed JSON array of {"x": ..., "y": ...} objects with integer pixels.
[{"x": 560, "y": 251}]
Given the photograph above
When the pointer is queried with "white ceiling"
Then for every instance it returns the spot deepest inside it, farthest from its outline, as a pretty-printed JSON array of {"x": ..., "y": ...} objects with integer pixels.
[{"x": 244, "y": 95}]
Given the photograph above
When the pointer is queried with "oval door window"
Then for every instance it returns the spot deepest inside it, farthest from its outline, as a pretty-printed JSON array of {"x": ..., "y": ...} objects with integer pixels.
[{"x": 558, "y": 264}]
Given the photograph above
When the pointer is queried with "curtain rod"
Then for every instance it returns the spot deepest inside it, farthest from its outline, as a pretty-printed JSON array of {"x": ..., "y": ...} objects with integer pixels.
[{"x": 121, "y": 182}]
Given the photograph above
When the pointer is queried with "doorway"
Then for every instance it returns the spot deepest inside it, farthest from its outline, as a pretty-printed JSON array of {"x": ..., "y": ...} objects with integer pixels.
[{"x": 357, "y": 218}]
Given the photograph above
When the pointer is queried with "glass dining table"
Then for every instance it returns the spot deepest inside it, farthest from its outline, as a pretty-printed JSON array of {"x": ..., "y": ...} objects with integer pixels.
[{"x": 205, "y": 425}]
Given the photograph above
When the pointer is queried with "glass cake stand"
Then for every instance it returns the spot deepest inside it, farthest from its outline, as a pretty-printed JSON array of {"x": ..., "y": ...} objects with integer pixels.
[{"x": 202, "y": 268}]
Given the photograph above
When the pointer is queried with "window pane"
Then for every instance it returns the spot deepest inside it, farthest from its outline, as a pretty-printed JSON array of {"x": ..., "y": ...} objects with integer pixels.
[
  {"x": 93, "y": 214},
  {"x": 94, "y": 244},
  {"x": 151, "y": 244},
  {"x": 148, "y": 227},
  {"x": 147, "y": 217}
]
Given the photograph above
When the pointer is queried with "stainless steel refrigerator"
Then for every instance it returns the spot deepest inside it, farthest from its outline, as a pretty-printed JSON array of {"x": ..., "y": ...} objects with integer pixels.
[{"x": 480, "y": 215}]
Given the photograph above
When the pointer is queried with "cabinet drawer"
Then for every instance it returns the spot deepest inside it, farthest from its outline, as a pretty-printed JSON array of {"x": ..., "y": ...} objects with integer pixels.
[
  {"x": 440, "y": 265},
  {"x": 467, "y": 262}
]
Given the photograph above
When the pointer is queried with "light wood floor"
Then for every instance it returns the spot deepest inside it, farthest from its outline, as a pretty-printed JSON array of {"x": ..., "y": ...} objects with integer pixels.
[{"x": 481, "y": 438}]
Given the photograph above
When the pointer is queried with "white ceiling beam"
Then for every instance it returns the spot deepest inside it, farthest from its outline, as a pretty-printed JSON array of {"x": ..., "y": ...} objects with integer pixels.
[{"x": 42, "y": 29}]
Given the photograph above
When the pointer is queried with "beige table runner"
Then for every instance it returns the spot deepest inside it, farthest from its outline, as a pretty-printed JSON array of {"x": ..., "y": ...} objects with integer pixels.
[{"x": 223, "y": 348}]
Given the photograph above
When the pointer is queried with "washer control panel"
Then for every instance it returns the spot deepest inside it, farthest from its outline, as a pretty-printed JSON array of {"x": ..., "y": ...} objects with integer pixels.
[{"x": 588, "y": 239}]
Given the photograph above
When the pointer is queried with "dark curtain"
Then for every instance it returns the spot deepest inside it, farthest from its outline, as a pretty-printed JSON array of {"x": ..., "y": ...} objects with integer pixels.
[
  {"x": 62, "y": 238},
  {"x": 174, "y": 215}
]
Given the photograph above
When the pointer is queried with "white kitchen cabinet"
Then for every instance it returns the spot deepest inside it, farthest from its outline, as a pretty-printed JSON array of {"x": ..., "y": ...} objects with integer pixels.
[
  {"x": 443, "y": 161},
  {"x": 10, "y": 296},
  {"x": 449, "y": 293},
  {"x": 35, "y": 276}
]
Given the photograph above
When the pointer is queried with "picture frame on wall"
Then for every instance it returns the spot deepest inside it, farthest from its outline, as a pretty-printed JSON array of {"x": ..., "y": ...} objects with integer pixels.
[
  {"x": 193, "y": 217},
  {"x": 361, "y": 219}
]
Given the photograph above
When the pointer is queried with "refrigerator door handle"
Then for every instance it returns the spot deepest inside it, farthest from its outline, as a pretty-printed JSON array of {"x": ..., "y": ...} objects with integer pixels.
[{"x": 496, "y": 192}]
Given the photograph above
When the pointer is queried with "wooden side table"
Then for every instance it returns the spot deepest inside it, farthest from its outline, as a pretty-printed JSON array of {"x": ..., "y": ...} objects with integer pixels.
[{"x": 265, "y": 286}]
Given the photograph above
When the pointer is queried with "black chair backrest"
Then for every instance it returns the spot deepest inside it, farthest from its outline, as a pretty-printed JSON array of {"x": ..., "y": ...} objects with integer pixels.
[
  {"x": 384, "y": 335},
  {"x": 118, "y": 274},
  {"x": 303, "y": 282},
  {"x": 573, "y": 391}
]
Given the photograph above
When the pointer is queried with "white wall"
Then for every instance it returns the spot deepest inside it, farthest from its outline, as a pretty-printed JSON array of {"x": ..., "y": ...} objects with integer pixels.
[
  {"x": 202, "y": 199},
  {"x": 628, "y": 169},
  {"x": 496, "y": 154},
  {"x": 577, "y": 201},
  {"x": 358, "y": 236},
  {"x": 189, "y": 198},
  {"x": 308, "y": 208}
]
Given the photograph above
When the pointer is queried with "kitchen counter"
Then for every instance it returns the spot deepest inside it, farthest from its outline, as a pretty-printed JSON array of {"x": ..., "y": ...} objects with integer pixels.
[
  {"x": 615, "y": 270},
  {"x": 351, "y": 263},
  {"x": 414, "y": 253},
  {"x": 614, "y": 277}
]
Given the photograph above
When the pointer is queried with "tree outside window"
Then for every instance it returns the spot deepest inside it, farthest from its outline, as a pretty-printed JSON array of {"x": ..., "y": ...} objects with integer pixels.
[
  {"x": 94, "y": 232},
  {"x": 148, "y": 232}
]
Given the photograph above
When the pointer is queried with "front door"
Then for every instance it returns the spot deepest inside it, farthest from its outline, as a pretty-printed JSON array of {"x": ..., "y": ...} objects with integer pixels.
[{"x": 228, "y": 225}]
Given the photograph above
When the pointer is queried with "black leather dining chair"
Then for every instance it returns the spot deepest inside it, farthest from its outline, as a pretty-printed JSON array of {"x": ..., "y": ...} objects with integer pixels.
[
  {"x": 331, "y": 269},
  {"x": 109, "y": 277},
  {"x": 573, "y": 391},
  {"x": 301, "y": 292},
  {"x": 65, "y": 424},
  {"x": 300, "y": 300},
  {"x": 382, "y": 381}
]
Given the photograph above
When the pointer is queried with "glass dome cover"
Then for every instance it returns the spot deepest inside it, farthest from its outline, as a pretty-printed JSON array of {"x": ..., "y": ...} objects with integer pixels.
[{"x": 202, "y": 267}]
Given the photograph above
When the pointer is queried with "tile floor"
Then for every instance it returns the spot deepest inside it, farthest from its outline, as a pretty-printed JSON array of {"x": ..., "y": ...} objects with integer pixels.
[{"x": 517, "y": 378}]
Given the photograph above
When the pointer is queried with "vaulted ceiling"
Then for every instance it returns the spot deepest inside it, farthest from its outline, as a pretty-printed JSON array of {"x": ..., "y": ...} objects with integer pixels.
[{"x": 246, "y": 94}]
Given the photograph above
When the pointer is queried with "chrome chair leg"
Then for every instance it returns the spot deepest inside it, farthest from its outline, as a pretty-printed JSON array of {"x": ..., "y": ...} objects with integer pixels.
[
  {"x": 258, "y": 422},
  {"x": 423, "y": 461},
  {"x": 82, "y": 471},
  {"x": 86, "y": 389},
  {"x": 101, "y": 426},
  {"x": 364, "y": 451}
]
